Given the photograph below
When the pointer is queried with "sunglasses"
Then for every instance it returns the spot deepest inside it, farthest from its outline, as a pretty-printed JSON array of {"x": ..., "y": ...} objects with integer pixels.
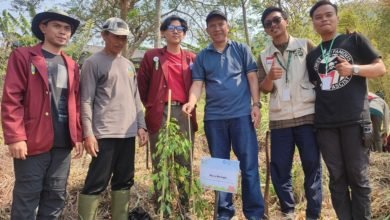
[
  {"x": 275, "y": 20},
  {"x": 172, "y": 28}
]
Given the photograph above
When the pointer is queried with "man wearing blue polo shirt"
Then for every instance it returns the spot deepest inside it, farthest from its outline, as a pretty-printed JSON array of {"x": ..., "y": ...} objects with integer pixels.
[{"x": 228, "y": 71}]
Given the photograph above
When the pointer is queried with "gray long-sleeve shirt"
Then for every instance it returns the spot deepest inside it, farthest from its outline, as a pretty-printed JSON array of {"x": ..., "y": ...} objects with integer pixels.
[{"x": 110, "y": 102}]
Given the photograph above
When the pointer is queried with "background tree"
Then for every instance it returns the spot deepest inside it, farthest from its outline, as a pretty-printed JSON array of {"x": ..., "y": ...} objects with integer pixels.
[
  {"x": 157, "y": 35},
  {"x": 14, "y": 32},
  {"x": 29, "y": 6},
  {"x": 370, "y": 17}
]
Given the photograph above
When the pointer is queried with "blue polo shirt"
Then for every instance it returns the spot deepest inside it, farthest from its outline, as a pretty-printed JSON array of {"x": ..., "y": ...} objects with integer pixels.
[{"x": 225, "y": 77}]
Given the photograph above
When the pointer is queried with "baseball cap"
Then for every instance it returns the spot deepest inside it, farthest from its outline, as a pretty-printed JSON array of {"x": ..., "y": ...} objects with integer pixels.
[
  {"x": 51, "y": 15},
  {"x": 116, "y": 26},
  {"x": 215, "y": 13}
]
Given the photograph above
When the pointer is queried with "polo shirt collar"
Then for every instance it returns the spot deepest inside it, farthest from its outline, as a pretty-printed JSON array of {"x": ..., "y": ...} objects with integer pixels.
[{"x": 211, "y": 47}]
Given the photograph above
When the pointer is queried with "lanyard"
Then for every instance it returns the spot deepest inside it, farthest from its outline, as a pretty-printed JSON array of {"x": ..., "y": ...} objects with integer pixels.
[
  {"x": 326, "y": 55},
  {"x": 287, "y": 66}
]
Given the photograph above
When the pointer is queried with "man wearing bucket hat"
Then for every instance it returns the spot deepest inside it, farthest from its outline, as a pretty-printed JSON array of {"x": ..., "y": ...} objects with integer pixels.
[
  {"x": 41, "y": 117},
  {"x": 112, "y": 115}
]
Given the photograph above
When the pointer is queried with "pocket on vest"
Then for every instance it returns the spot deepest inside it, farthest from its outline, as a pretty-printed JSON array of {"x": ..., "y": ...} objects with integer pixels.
[
  {"x": 307, "y": 92},
  {"x": 274, "y": 102}
]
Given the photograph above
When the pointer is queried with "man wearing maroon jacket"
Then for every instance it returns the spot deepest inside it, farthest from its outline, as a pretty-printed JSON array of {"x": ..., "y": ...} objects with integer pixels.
[
  {"x": 162, "y": 69},
  {"x": 41, "y": 117}
]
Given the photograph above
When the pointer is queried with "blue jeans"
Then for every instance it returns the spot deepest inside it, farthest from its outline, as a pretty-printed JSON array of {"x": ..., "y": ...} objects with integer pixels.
[
  {"x": 283, "y": 143},
  {"x": 239, "y": 134}
]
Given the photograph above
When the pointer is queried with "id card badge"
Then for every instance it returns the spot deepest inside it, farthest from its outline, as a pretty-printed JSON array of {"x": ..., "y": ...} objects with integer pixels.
[
  {"x": 326, "y": 82},
  {"x": 286, "y": 94},
  {"x": 269, "y": 61}
]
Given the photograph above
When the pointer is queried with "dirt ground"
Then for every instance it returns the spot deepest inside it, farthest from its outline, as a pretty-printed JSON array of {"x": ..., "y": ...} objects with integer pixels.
[{"x": 379, "y": 173}]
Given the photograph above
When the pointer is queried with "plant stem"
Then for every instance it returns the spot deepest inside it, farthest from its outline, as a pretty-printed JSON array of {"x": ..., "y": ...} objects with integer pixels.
[
  {"x": 169, "y": 106},
  {"x": 191, "y": 203}
]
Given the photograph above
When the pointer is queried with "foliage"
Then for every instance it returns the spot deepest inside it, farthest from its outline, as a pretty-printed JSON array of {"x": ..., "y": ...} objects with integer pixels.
[
  {"x": 139, "y": 17},
  {"x": 171, "y": 175},
  {"x": 79, "y": 41},
  {"x": 370, "y": 17},
  {"x": 26, "y": 5},
  {"x": 14, "y": 32}
]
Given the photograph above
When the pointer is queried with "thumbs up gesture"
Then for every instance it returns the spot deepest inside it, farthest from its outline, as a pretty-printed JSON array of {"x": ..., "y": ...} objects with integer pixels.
[
  {"x": 275, "y": 72},
  {"x": 343, "y": 67}
]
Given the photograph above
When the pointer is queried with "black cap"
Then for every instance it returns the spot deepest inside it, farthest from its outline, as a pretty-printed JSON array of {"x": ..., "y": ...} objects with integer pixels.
[
  {"x": 215, "y": 13},
  {"x": 50, "y": 16}
]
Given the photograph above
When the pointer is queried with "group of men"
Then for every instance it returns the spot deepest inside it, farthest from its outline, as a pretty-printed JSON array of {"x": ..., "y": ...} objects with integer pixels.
[{"x": 318, "y": 102}]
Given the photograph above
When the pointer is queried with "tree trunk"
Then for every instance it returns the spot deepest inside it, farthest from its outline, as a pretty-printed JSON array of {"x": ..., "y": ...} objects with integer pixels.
[
  {"x": 157, "y": 36},
  {"x": 124, "y": 8},
  {"x": 243, "y": 6}
]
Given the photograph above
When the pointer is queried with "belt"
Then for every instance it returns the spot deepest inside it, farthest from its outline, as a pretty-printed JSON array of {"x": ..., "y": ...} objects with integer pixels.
[{"x": 174, "y": 103}]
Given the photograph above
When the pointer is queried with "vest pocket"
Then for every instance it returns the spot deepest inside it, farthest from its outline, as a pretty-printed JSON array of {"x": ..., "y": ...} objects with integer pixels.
[
  {"x": 307, "y": 92},
  {"x": 274, "y": 102}
]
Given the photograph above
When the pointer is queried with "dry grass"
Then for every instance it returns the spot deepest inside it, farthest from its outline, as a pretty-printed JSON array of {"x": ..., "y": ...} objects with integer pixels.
[{"x": 379, "y": 173}]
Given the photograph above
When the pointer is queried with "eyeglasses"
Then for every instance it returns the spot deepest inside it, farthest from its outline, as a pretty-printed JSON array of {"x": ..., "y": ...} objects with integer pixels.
[
  {"x": 172, "y": 28},
  {"x": 275, "y": 20}
]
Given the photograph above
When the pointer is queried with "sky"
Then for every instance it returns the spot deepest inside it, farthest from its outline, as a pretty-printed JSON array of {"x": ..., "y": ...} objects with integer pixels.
[
  {"x": 6, "y": 4},
  {"x": 45, "y": 5}
]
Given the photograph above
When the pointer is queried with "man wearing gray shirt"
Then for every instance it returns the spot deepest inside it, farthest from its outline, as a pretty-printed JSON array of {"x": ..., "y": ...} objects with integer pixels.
[{"x": 111, "y": 113}]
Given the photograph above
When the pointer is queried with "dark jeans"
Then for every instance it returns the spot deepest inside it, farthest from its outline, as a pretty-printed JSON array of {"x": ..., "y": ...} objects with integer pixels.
[
  {"x": 347, "y": 160},
  {"x": 237, "y": 134},
  {"x": 115, "y": 158},
  {"x": 283, "y": 143},
  {"x": 40, "y": 182},
  {"x": 182, "y": 120}
]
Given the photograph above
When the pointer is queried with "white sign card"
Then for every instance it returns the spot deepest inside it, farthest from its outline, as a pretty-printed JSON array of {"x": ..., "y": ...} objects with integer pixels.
[{"x": 219, "y": 174}]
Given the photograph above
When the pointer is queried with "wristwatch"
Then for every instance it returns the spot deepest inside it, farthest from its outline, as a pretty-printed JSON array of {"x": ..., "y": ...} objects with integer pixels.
[
  {"x": 355, "y": 70},
  {"x": 258, "y": 104}
]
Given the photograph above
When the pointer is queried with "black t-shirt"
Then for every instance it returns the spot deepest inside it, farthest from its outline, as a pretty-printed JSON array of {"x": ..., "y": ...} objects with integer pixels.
[
  {"x": 344, "y": 102},
  {"x": 58, "y": 84}
]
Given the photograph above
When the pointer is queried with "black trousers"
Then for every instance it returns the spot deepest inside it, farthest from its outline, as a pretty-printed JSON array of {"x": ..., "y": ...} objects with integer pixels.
[
  {"x": 115, "y": 162},
  {"x": 40, "y": 182},
  {"x": 347, "y": 160}
]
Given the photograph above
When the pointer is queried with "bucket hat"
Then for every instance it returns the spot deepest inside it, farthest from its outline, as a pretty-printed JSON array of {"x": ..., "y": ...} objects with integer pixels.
[{"x": 51, "y": 15}]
